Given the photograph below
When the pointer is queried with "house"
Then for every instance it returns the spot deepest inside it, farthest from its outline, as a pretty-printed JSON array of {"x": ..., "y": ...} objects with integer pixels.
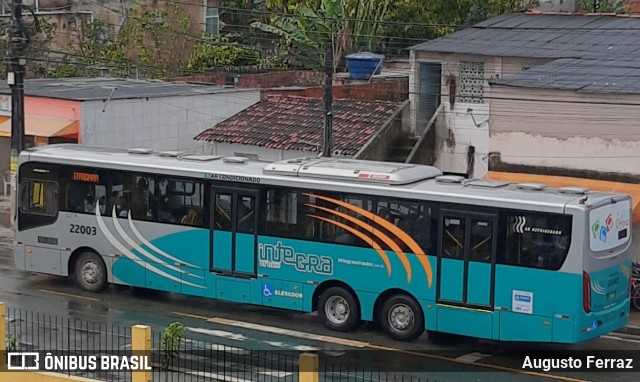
[
  {"x": 117, "y": 112},
  {"x": 496, "y": 89},
  {"x": 69, "y": 17},
  {"x": 283, "y": 127},
  {"x": 536, "y": 97},
  {"x": 289, "y": 120}
]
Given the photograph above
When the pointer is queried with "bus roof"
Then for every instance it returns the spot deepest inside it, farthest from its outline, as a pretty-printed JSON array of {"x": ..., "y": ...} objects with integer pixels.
[{"x": 347, "y": 175}]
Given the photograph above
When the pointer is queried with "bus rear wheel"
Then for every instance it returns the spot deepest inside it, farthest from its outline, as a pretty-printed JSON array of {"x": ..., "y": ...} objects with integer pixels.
[
  {"x": 339, "y": 310},
  {"x": 91, "y": 273},
  {"x": 402, "y": 318}
]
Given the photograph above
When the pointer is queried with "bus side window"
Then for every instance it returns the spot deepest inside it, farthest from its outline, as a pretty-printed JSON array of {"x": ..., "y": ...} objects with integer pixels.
[
  {"x": 180, "y": 201},
  {"x": 286, "y": 214},
  {"x": 39, "y": 198},
  {"x": 82, "y": 189},
  {"x": 537, "y": 241}
]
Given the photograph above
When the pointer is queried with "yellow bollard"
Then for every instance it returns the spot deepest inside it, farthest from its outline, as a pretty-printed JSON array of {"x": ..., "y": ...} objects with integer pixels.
[
  {"x": 141, "y": 343},
  {"x": 308, "y": 367}
]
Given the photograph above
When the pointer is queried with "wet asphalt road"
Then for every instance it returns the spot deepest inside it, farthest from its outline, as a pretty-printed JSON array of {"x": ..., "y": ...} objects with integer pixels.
[{"x": 247, "y": 327}]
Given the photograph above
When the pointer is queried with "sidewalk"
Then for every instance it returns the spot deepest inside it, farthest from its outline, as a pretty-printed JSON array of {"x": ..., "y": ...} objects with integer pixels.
[{"x": 633, "y": 326}]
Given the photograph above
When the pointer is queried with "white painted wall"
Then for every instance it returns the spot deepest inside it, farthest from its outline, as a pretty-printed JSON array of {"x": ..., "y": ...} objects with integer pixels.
[
  {"x": 565, "y": 129},
  {"x": 452, "y": 155},
  {"x": 166, "y": 123},
  {"x": 581, "y": 153},
  {"x": 453, "y": 158}
]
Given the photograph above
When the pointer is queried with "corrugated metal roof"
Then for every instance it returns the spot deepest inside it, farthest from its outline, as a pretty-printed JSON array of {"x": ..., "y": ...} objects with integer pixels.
[
  {"x": 583, "y": 75},
  {"x": 546, "y": 36},
  {"x": 91, "y": 89},
  {"x": 595, "y": 54}
]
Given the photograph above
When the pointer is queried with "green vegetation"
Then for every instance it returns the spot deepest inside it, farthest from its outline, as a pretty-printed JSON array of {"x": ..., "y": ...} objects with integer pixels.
[
  {"x": 167, "y": 40},
  {"x": 170, "y": 344}
]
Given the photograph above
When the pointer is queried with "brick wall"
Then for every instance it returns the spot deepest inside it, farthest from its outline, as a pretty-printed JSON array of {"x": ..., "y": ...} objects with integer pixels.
[
  {"x": 378, "y": 91},
  {"x": 259, "y": 80},
  {"x": 634, "y": 5},
  {"x": 307, "y": 84}
]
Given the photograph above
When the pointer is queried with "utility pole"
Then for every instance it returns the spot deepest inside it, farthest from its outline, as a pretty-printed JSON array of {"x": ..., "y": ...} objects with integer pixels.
[
  {"x": 15, "y": 79},
  {"x": 328, "y": 99}
]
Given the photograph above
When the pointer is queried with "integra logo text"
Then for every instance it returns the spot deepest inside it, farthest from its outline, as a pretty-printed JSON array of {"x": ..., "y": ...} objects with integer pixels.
[{"x": 273, "y": 256}]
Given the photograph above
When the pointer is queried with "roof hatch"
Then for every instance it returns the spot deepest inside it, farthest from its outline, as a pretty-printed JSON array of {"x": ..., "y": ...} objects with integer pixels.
[
  {"x": 139, "y": 150},
  {"x": 573, "y": 190},
  {"x": 450, "y": 179},
  {"x": 531, "y": 186},
  {"x": 199, "y": 158},
  {"x": 485, "y": 183}
]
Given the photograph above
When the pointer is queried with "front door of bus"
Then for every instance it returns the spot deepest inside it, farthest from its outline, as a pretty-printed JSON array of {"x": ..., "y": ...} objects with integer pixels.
[
  {"x": 466, "y": 259},
  {"x": 234, "y": 229}
]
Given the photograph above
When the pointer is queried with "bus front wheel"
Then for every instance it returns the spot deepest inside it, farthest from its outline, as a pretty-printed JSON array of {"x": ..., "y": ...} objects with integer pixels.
[
  {"x": 91, "y": 272},
  {"x": 339, "y": 309},
  {"x": 402, "y": 318}
]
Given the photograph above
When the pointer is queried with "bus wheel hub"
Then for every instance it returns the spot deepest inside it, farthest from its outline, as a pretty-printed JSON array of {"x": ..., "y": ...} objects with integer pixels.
[
  {"x": 400, "y": 317},
  {"x": 90, "y": 273},
  {"x": 338, "y": 311}
]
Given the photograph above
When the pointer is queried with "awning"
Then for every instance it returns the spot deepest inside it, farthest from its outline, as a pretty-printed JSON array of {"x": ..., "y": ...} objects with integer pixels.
[
  {"x": 563, "y": 181},
  {"x": 43, "y": 127}
]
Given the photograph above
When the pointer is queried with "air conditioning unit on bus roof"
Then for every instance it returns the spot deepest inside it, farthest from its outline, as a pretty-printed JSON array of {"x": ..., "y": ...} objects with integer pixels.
[{"x": 353, "y": 170}]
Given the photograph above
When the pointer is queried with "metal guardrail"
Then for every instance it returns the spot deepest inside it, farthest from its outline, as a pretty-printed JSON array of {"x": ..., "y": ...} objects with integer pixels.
[{"x": 195, "y": 359}]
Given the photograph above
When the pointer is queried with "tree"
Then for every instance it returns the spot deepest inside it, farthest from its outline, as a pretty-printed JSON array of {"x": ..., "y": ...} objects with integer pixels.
[
  {"x": 151, "y": 43},
  {"x": 413, "y": 21},
  {"x": 39, "y": 49},
  {"x": 305, "y": 25},
  {"x": 221, "y": 53}
]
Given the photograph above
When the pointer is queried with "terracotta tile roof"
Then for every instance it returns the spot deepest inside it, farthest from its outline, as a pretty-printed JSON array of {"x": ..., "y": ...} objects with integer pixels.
[{"x": 296, "y": 123}]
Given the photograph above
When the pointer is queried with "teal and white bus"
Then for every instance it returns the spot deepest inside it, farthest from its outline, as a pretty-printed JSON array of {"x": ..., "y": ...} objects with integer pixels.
[{"x": 399, "y": 244}]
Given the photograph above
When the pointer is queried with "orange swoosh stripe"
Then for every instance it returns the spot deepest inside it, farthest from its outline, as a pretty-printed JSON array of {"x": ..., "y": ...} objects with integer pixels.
[
  {"x": 380, "y": 235},
  {"x": 362, "y": 236},
  {"x": 415, "y": 248}
]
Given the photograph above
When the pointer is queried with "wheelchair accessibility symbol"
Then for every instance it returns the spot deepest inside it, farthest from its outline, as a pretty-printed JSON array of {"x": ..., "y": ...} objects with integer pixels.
[{"x": 267, "y": 290}]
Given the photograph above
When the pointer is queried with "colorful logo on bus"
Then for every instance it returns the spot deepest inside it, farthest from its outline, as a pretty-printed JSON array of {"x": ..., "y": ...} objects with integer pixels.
[
  {"x": 375, "y": 233},
  {"x": 602, "y": 231}
]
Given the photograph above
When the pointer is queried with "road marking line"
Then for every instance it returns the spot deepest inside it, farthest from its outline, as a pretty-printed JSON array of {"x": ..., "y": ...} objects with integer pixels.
[
  {"x": 69, "y": 295},
  {"x": 218, "y": 333},
  {"x": 632, "y": 327},
  {"x": 620, "y": 339},
  {"x": 217, "y": 377},
  {"x": 316, "y": 337},
  {"x": 304, "y": 348},
  {"x": 217, "y": 347},
  {"x": 277, "y": 374},
  {"x": 496, "y": 367},
  {"x": 287, "y": 332},
  {"x": 472, "y": 357},
  {"x": 189, "y": 315},
  {"x": 277, "y": 344}
]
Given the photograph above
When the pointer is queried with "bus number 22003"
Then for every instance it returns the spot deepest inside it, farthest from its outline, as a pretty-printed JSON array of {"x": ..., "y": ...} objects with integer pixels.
[{"x": 81, "y": 229}]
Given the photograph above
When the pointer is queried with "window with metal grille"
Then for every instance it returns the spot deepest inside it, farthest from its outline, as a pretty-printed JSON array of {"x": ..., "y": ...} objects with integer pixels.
[{"x": 472, "y": 82}]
